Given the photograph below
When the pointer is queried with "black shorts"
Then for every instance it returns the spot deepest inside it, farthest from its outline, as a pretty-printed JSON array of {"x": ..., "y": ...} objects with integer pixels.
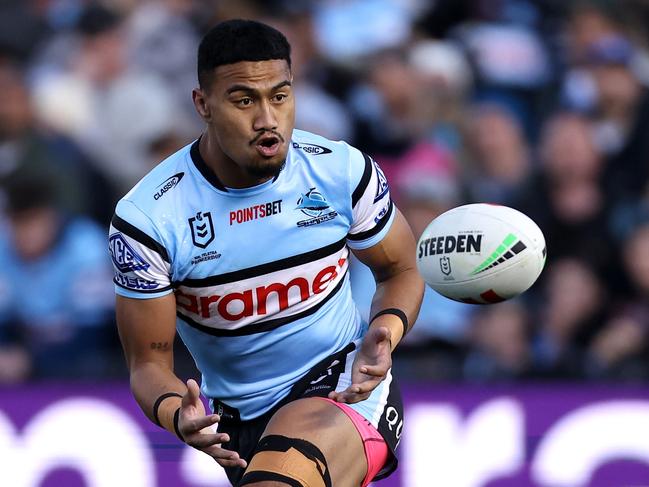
[{"x": 332, "y": 373}]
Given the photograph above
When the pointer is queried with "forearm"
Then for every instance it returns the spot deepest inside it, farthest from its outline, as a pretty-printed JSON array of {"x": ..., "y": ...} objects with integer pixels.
[
  {"x": 149, "y": 381},
  {"x": 402, "y": 290}
]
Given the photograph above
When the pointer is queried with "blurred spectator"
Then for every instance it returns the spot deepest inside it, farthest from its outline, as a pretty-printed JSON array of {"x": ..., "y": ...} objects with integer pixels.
[
  {"x": 113, "y": 109},
  {"x": 500, "y": 157},
  {"x": 343, "y": 36},
  {"x": 620, "y": 349},
  {"x": 26, "y": 148},
  {"x": 446, "y": 77},
  {"x": 565, "y": 196},
  {"x": 573, "y": 311},
  {"x": 388, "y": 112},
  {"x": 500, "y": 349},
  {"x": 621, "y": 116},
  {"x": 21, "y": 28},
  {"x": 56, "y": 292}
]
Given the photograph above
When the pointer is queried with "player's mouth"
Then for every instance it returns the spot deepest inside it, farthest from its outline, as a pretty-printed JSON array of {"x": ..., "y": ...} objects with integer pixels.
[{"x": 268, "y": 145}]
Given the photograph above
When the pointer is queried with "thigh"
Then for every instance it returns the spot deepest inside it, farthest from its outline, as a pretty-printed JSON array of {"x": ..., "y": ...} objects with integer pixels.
[{"x": 330, "y": 430}]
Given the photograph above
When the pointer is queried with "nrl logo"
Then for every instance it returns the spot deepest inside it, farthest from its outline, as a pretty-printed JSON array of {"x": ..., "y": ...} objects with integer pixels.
[
  {"x": 445, "y": 265},
  {"x": 202, "y": 229}
]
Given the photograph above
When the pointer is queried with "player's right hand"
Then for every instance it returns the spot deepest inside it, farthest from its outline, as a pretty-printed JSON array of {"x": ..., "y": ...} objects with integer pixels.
[{"x": 197, "y": 429}]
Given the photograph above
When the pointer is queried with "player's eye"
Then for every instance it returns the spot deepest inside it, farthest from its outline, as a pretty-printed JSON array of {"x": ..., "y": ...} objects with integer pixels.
[
  {"x": 245, "y": 102},
  {"x": 280, "y": 97}
]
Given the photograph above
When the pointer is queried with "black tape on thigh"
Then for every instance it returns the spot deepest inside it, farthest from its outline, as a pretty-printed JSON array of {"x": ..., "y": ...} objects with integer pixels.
[{"x": 308, "y": 463}]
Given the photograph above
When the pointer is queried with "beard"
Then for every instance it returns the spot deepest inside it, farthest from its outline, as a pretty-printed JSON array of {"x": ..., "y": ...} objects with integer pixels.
[{"x": 265, "y": 170}]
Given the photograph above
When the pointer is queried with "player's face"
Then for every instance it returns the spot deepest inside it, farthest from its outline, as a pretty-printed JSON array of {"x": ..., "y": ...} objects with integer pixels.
[{"x": 250, "y": 112}]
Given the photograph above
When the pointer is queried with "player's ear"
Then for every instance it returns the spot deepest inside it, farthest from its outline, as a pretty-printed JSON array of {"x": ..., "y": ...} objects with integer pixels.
[{"x": 200, "y": 103}]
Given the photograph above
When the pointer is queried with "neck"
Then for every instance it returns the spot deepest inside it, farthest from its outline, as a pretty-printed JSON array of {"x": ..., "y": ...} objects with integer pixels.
[{"x": 226, "y": 170}]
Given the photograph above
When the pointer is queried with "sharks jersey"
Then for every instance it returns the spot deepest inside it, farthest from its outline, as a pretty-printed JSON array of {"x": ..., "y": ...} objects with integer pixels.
[{"x": 260, "y": 274}]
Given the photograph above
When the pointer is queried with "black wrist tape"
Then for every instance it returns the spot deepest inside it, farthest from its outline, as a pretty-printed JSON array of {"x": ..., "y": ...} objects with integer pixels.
[
  {"x": 176, "y": 429},
  {"x": 156, "y": 404},
  {"x": 396, "y": 312}
]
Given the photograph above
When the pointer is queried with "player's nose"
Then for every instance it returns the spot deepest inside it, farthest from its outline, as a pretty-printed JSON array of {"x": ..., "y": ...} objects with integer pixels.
[{"x": 265, "y": 118}]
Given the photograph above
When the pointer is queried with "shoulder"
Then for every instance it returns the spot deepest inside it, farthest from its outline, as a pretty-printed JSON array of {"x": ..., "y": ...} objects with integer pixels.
[
  {"x": 339, "y": 154},
  {"x": 150, "y": 195}
]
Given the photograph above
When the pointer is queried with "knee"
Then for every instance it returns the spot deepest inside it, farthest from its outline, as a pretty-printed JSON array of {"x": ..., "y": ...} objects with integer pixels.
[{"x": 281, "y": 461}]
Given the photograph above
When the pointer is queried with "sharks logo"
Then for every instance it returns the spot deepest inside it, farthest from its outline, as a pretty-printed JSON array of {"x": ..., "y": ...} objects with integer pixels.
[{"x": 314, "y": 205}]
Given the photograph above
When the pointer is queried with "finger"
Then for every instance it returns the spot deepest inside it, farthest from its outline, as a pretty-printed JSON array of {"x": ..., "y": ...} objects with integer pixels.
[
  {"x": 193, "y": 393},
  {"x": 374, "y": 370},
  {"x": 354, "y": 393},
  {"x": 203, "y": 440},
  {"x": 194, "y": 425},
  {"x": 225, "y": 458},
  {"x": 366, "y": 386},
  {"x": 240, "y": 462},
  {"x": 347, "y": 397}
]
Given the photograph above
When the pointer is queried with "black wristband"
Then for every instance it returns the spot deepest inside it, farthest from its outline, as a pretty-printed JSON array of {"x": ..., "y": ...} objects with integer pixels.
[
  {"x": 176, "y": 429},
  {"x": 396, "y": 312},
  {"x": 156, "y": 404}
]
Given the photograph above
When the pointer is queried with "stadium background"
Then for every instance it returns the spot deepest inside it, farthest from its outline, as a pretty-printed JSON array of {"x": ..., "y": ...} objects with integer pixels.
[{"x": 540, "y": 105}]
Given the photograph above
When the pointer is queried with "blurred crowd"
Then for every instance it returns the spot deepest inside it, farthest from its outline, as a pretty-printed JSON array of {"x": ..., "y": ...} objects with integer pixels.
[{"x": 540, "y": 105}]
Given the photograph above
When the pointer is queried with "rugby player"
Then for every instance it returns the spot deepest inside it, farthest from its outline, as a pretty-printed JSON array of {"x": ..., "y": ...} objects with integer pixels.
[{"x": 240, "y": 242}]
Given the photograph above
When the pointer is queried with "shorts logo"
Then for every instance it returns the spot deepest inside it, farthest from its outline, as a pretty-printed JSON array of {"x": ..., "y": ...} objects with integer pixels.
[
  {"x": 125, "y": 258},
  {"x": 202, "y": 229},
  {"x": 382, "y": 186},
  {"x": 168, "y": 184},
  {"x": 314, "y": 205},
  {"x": 312, "y": 149}
]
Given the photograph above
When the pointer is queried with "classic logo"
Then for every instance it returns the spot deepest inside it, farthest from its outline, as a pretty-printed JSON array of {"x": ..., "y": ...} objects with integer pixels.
[
  {"x": 202, "y": 229},
  {"x": 312, "y": 149},
  {"x": 168, "y": 184},
  {"x": 382, "y": 186},
  {"x": 445, "y": 265},
  {"x": 315, "y": 205},
  {"x": 125, "y": 258}
]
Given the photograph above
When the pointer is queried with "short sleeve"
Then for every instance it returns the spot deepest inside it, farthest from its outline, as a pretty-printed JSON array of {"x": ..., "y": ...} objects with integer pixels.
[
  {"x": 372, "y": 207},
  {"x": 141, "y": 263}
]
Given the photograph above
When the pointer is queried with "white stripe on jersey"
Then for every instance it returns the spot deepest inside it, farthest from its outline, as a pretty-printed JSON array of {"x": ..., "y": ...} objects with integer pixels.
[{"x": 280, "y": 294}]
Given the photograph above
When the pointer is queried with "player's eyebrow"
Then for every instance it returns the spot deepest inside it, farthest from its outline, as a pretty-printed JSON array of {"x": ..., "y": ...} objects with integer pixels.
[{"x": 249, "y": 89}]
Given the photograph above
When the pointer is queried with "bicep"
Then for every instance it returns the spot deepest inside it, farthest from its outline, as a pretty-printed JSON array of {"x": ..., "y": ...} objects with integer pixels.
[
  {"x": 393, "y": 254},
  {"x": 147, "y": 328}
]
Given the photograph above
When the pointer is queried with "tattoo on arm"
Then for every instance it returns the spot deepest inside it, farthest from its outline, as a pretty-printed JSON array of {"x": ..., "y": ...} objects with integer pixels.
[{"x": 163, "y": 346}]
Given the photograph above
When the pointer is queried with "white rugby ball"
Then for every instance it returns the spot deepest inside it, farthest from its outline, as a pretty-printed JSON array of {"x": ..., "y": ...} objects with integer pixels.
[{"x": 481, "y": 253}]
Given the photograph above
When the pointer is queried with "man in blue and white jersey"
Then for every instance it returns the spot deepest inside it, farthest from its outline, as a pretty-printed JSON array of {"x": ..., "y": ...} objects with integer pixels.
[{"x": 240, "y": 242}]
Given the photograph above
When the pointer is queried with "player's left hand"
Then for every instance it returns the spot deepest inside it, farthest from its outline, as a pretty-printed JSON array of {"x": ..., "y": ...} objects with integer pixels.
[{"x": 370, "y": 367}]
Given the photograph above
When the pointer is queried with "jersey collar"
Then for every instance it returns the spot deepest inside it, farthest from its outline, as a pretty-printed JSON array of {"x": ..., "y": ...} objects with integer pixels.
[
  {"x": 203, "y": 168},
  {"x": 209, "y": 174}
]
